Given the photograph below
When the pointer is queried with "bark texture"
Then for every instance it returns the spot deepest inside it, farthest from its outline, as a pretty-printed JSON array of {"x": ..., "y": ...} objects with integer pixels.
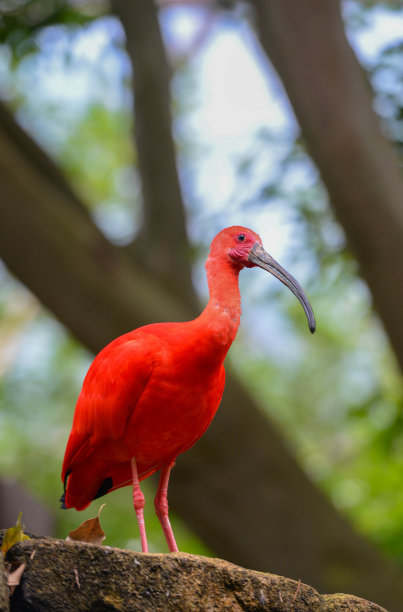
[
  {"x": 332, "y": 101},
  {"x": 4, "y": 603},
  {"x": 164, "y": 223},
  {"x": 75, "y": 576},
  {"x": 49, "y": 241}
]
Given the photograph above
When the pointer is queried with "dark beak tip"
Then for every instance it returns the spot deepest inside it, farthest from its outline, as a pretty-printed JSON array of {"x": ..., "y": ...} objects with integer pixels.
[
  {"x": 311, "y": 323},
  {"x": 258, "y": 257}
]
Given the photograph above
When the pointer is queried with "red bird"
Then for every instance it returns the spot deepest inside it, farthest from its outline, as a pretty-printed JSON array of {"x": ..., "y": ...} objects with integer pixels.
[{"x": 151, "y": 394}]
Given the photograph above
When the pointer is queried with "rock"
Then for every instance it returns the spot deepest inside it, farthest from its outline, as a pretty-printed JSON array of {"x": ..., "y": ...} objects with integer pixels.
[
  {"x": 3, "y": 587},
  {"x": 62, "y": 575},
  {"x": 348, "y": 603}
]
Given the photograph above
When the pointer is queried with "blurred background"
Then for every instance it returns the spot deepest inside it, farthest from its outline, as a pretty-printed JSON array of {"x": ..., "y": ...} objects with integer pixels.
[{"x": 130, "y": 134}]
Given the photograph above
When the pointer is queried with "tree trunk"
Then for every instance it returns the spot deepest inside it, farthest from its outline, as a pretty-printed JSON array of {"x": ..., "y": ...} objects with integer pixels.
[
  {"x": 162, "y": 243},
  {"x": 48, "y": 240},
  {"x": 333, "y": 104}
]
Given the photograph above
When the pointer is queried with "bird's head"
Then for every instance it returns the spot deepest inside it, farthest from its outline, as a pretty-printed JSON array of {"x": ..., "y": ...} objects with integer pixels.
[
  {"x": 235, "y": 244},
  {"x": 243, "y": 248}
]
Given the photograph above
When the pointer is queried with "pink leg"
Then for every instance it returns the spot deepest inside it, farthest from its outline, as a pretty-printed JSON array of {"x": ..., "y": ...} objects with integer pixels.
[
  {"x": 138, "y": 503},
  {"x": 161, "y": 508}
]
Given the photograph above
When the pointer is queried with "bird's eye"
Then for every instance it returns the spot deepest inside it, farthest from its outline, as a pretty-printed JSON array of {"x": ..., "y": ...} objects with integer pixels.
[{"x": 241, "y": 237}]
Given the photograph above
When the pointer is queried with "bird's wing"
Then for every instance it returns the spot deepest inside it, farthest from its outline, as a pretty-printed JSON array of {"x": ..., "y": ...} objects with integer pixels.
[{"x": 111, "y": 389}]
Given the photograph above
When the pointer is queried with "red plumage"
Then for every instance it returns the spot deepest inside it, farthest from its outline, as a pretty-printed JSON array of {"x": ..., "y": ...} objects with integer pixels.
[{"x": 151, "y": 394}]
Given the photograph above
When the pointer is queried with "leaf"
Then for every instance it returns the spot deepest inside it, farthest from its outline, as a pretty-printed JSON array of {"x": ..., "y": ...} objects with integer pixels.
[
  {"x": 14, "y": 578},
  {"x": 89, "y": 531},
  {"x": 14, "y": 535}
]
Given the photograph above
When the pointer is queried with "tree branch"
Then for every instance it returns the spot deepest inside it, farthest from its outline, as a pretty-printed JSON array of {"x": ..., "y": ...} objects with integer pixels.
[
  {"x": 333, "y": 104},
  {"x": 49, "y": 241},
  {"x": 164, "y": 212}
]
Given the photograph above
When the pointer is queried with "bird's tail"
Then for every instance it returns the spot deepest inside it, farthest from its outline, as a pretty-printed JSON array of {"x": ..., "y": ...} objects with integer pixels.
[
  {"x": 94, "y": 478},
  {"x": 85, "y": 483},
  {"x": 63, "y": 496}
]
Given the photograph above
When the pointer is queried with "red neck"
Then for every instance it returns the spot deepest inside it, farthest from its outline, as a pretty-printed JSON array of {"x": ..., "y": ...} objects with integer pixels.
[{"x": 222, "y": 314}]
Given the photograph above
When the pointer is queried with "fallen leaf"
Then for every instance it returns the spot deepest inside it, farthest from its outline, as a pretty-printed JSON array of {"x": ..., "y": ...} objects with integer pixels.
[
  {"x": 14, "y": 578},
  {"x": 89, "y": 531},
  {"x": 14, "y": 535}
]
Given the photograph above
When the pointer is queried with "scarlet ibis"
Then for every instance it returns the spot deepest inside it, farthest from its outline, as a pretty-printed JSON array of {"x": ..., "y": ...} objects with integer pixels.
[{"x": 151, "y": 393}]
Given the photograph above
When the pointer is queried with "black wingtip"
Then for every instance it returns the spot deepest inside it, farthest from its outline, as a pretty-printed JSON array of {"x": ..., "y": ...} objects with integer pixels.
[
  {"x": 105, "y": 487},
  {"x": 62, "y": 502},
  {"x": 63, "y": 497}
]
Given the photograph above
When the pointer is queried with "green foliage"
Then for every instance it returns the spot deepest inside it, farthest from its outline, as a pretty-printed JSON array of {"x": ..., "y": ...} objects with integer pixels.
[
  {"x": 99, "y": 159},
  {"x": 98, "y": 152},
  {"x": 387, "y": 78},
  {"x": 22, "y": 20},
  {"x": 89, "y": 134},
  {"x": 13, "y": 535}
]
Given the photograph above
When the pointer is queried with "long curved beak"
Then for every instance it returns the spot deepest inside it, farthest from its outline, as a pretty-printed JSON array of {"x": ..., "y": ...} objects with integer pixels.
[{"x": 259, "y": 257}]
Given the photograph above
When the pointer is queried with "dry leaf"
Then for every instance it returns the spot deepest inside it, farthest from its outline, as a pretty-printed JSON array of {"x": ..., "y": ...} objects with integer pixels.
[
  {"x": 14, "y": 535},
  {"x": 89, "y": 531},
  {"x": 13, "y": 579}
]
